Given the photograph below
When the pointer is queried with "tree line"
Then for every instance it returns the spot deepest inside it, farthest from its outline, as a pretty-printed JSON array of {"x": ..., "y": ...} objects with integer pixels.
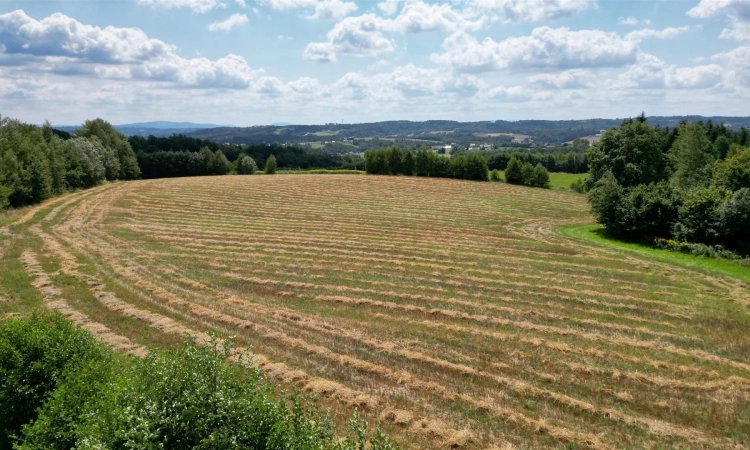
[
  {"x": 686, "y": 184},
  {"x": 63, "y": 389},
  {"x": 39, "y": 162},
  {"x": 425, "y": 163}
]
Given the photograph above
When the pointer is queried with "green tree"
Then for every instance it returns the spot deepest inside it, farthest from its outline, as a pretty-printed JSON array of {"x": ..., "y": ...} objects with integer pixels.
[
  {"x": 632, "y": 154},
  {"x": 733, "y": 173},
  {"x": 514, "y": 172},
  {"x": 692, "y": 156},
  {"x": 270, "y": 168},
  {"x": 245, "y": 165},
  {"x": 116, "y": 141},
  {"x": 527, "y": 174},
  {"x": 606, "y": 198},
  {"x": 734, "y": 220},
  {"x": 540, "y": 177},
  {"x": 495, "y": 176},
  {"x": 395, "y": 161},
  {"x": 409, "y": 163},
  {"x": 476, "y": 167},
  {"x": 422, "y": 164},
  {"x": 699, "y": 217}
]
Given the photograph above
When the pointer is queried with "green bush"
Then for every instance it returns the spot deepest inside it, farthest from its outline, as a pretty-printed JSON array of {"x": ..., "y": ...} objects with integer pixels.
[
  {"x": 495, "y": 176},
  {"x": 270, "y": 167},
  {"x": 579, "y": 186},
  {"x": 37, "y": 355},
  {"x": 699, "y": 216},
  {"x": 514, "y": 172},
  {"x": 61, "y": 389},
  {"x": 245, "y": 165},
  {"x": 539, "y": 177}
]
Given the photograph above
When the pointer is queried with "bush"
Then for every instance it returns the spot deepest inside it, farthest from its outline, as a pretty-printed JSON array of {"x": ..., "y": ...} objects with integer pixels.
[
  {"x": 88, "y": 398},
  {"x": 245, "y": 165},
  {"x": 606, "y": 199},
  {"x": 495, "y": 176},
  {"x": 539, "y": 177},
  {"x": 699, "y": 216},
  {"x": 650, "y": 210},
  {"x": 514, "y": 172},
  {"x": 734, "y": 220},
  {"x": 270, "y": 165},
  {"x": 37, "y": 355},
  {"x": 579, "y": 186}
]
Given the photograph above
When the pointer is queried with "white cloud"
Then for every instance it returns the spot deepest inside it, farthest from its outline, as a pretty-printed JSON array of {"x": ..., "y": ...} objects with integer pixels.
[
  {"x": 233, "y": 21},
  {"x": 324, "y": 9},
  {"x": 739, "y": 16},
  {"x": 652, "y": 73},
  {"x": 568, "y": 79},
  {"x": 545, "y": 49},
  {"x": 197, "y": 6},
  {"x": 62, "y": 45},
  {"x": 531, "y": 10},
  {"x": 667, "y": 33},
  {"x": 240, "y": 3},
  {"x": 389, "y": 7},
  {"x": 363, "y": 35},
  {"x": 632, "y": 21}
]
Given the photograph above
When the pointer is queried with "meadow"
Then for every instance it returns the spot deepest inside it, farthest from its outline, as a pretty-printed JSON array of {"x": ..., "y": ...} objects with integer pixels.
[{"x": 455, "y": 312}]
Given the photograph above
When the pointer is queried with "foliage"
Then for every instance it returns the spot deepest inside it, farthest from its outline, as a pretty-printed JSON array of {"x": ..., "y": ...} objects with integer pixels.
[
  {"x": 579, "y": 186},
  {"x": 113, "y": 139},
  {"x": 514, "y": 172},
  {"x": 426, "y": 163},
  {"x": 560, "y": 161},
  {"x": 61, "y": 389},
  {"x": 651, "y": 183},
  {"x": 36, "y": 356},
  {"x": 495, "y": 176},
  {"x": 270, "y": 167},
  {"x": 245, "y": 165}
]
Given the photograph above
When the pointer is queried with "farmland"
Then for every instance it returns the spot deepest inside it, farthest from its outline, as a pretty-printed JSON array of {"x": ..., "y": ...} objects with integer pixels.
[{"x": 452, "y": 311}]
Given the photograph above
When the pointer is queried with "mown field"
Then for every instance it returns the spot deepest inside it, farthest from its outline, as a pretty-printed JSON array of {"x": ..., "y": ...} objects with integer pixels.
[{"x": 452, "y": 311}]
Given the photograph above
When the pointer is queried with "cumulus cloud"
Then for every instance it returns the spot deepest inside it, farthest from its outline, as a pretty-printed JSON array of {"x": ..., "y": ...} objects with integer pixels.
[
  {"x": 62, "y": 45},
  {"x": 568, "y": 79},
  {"x": 389, "y": 7},
  {"x": 652, "y": 73},
  {"x": 545, "y": 49},
  {"x": 234, "y": 20},
  {"x": 632, "y": 21},
  {"x": 324, "y": 9},
  {"x": 531, "y": 10},
  {"x": 739, "y": 16},
  {"x": 197, "y": 6},
  {"x": 363, "y": 35}
]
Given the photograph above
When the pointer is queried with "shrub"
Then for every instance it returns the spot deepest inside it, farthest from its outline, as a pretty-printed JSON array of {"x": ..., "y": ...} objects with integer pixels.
[
  {"x": 606, "y": 199},
  {"x": 514, "y": 172},
  {"x": 579, "y": 186},
  {"x": 36, "y": 355},
  {"x": 270, "y": 165},
  {"x": 495, "y": 176},
  {"x": 699, "y": 216},
  {"x": 650, "y": 210},
  {"x": 539, "y": 177},
  {"x": 245, "y": 165}
]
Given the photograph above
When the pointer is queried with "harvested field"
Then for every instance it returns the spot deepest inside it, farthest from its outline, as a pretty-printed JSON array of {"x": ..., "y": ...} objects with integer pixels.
[{"x": 452, "y": 311}]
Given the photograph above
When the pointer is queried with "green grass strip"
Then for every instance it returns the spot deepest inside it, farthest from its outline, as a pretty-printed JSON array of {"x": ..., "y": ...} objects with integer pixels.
[{"x": 596, "y": 235}]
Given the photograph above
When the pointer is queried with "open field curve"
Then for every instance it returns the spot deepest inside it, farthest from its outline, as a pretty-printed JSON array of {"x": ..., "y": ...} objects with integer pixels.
[{"x": 451, "y": 311}]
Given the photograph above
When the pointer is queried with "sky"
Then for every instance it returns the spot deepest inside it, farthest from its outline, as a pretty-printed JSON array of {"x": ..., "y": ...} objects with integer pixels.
[{"x": 258, "y": 62}]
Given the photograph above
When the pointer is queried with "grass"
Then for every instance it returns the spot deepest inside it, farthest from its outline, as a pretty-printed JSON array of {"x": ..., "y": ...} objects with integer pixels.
[
  {"x": 463, "y": 314},
  {"x": 560, "y": 180},
  {"x": 320, "y": 171},
  {"x": 596, "y": 234}
]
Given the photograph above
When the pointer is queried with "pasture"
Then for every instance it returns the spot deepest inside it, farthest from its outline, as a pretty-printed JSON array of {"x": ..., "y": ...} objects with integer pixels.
[{"x": 452, "y": 311}]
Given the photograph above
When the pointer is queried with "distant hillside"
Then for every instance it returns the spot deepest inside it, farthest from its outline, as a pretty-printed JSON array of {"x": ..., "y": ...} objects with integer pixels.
[
  {"x": 159, "y": 128},
  {"x": 439, "y": 131}
]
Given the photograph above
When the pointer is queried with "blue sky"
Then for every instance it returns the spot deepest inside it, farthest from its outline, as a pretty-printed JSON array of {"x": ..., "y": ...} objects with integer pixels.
[{"x": 256, "y": 62}]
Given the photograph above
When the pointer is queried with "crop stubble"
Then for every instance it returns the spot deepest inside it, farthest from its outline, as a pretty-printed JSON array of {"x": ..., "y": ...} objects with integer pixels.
[{"x": 450, "y": 310}]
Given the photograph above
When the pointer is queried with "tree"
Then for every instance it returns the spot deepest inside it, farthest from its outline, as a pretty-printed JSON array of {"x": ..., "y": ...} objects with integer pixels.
[
  {"x": 270, "y": 165},
  {"x": 632, "y": 154},
  {"x": 495, "y": 176},
  {"x": 527, "y": 174},
  {"x": 395, "y": 160},
  {"x": 692, "y": 156},
  {"x": 422, "y": 164},
  {"x": 514, "y": 173},
  {"x": 606, "y": 198},
  {"x": 540, "y": 177},
  {"x": 699, "y": 216},
  {"x": 409, "y": 163},
  {"x": 734, "y": 220},
  {"x": 650, "y": 210},
  {"x": 245, "y": 165},
  {"x": 734, "y": 172},
  {"x": 476, "y": 167},
  {"x": 113, "y": 139}
]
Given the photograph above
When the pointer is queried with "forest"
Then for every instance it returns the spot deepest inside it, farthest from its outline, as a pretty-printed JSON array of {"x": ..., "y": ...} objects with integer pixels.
[
  {"x": 689, "y": 184},
  {"x": 37, "y": 163},
  {"x": 425, "y": 163}
]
